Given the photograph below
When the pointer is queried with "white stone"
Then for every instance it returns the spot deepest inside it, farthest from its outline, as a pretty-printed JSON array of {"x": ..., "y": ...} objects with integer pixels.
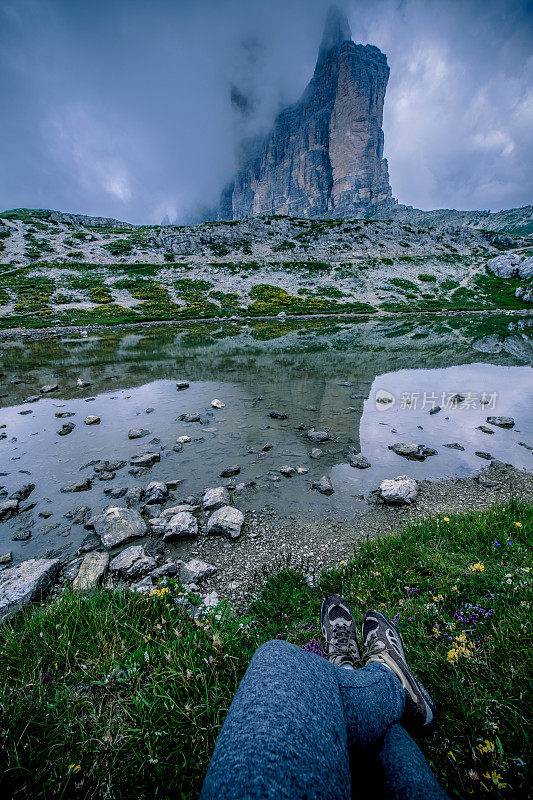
[
  {"x": 132, "y": 563},
  {"x": 181, "y": 525},
  {"x": 217, "y": 403},
  {"x": 118, "y": 526},
  {"x": 399, "y": 491},
  {"x": 226, "y": 520},
  {"x": 215, "y": 498},
  {"x": 26, "y": 583}
]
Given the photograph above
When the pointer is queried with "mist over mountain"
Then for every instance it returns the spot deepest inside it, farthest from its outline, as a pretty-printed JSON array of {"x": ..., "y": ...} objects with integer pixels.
[{"x": 126, "y": 109}]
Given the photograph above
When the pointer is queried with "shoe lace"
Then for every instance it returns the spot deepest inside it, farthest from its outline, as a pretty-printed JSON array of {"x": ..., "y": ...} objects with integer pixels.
[{"x": 340, "y": 646}]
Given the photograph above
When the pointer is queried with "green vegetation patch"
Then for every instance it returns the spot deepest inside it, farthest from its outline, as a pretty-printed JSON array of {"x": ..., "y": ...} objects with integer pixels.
[
  {"x": 425, "y": 276},
  {"x": 119, "y": 694},
  {"x": 120, "y": 247}
]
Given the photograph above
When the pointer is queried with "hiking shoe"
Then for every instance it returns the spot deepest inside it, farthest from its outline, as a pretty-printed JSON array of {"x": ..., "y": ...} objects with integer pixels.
[
  {"x": 340, "y": 632},
  {"x": 383, "y": 644}
]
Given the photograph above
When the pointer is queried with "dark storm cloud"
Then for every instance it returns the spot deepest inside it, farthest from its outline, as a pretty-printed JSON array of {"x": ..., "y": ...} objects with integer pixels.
[{"x": 122, "y": 107}]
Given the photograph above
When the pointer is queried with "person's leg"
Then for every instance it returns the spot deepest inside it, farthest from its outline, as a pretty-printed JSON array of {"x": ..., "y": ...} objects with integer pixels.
[
  {"x": 404, "y": 770},
  {"x": 292, "y": 722}
]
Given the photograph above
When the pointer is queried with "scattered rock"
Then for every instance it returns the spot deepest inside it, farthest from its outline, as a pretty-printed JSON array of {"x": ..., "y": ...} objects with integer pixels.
[
  {"x": 83, "y": 384},
  {"x": 226, "y": 520},
  {"x": 485, "y": 429},
  {"x": 134, "y": 496},
  {"x": 211, "y": 599},
  {"x": 359, "y": 461},
  {"x": 118, "y": 526},
  {"x": 23, "y": 493},
  {"x": 527, "y": 446},
  {"x": 217, "y": 403},
  {"x": 183, "y": 439},
  {"x": 166, "y": 570},
  {"x": 435, "y": 410},
  {"x": 229, "y": 472},
  {"x": 77, "y": 486},
  {"x": 454, "y": 446},
  {"x": 324, "y": 485},
  {"x": 278, "y": 415},
  {"x": 50, "y": 387},
  {"x": 287, "y": 471},
  {"x": 146, "y": 460},
  {"x": 316, "y": 452},
  {"x": 482, "y": 454},
  {"x": 180, "y": 526},
  {"x": 7, "y": 558},
  {"x": 181, "y": 385},
  {"x": 92, "y": 570},
  {"x": 78, "y": 516},
  {"x": 215, "y": 498},
  {"x": 266, "y": 447},
  {"x": 132, "y": 563},
  {"x": 189, "y": 417},
  {"x": 302, "y": 470},
  {"x": 26, "y": 583},
  {"x": 67, "y": 428},
  {"x": 413, "y": 452},
  {"x": 195, "y": 571},
  {"x": 501, "y": 422},
  {"x": 32, "y": 398},
  {"x": 156, "y": 493},
  {"x": 92, "y": 420},
  {"x": 23, "y": 535},
  {"x": 64, "y": 414},
  {"x": 137, "y": 433},
  {"x": 317, "y": 436},
  {"x": 486, "y": 482},
  {"x": 399, "y": 491}
]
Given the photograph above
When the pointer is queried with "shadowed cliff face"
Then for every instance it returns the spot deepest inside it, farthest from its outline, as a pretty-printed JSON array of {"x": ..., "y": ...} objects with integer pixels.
[{"x": 324, "y": 156}]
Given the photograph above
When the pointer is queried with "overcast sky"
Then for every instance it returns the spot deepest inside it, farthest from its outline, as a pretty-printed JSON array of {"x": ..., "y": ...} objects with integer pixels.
[{"x": 121, "y": 107}]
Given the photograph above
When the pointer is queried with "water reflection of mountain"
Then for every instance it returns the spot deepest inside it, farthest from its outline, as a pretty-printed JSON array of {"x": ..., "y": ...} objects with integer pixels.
[{"x": 260, "y": 353}]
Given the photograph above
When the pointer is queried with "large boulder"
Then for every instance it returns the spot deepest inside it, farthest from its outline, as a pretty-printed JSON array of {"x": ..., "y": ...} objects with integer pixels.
[
  {"x": 226, "y": 520},
  {"x": 399, "y": 491},
  {"x": 215, "y": 498},
  {"x": 8, "y": 509},
  {"x": 132, "y": 563},
  {"x": 195, "y": 571},
  {"x": 511, "y": 265},
  {"x": 118, "y": 526},
  {"x": 180, "y": 526},
  {"x": 26, "y": 583},
  {"x": 91, "y": 571}
]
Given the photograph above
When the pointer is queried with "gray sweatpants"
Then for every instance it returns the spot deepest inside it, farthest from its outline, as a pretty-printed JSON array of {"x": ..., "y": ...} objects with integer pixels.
[{"x": 302, "y": 728}]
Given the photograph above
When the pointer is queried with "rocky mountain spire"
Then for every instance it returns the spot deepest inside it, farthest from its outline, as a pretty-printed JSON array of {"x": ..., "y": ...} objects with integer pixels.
[
  {"x": 336, "y": 31},
  {"x": 324, "y": 154}
]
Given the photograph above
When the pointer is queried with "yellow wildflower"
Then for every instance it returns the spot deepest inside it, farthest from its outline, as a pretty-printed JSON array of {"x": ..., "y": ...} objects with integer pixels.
[
  {"x": 477, "y": 567},
  {"x": 446, "y": 519},
  {"x": 486, "y": 747},
  {"x": 518, "y": 524},
  {"x": 496, "y": 778}
]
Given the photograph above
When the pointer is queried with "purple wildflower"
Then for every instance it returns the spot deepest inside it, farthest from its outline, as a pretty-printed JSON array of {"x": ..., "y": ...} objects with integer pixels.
[
  {"x": 316, "y": 647},
  {"x": 496, "y": 543},
  {"x": 395, "y": 619}
]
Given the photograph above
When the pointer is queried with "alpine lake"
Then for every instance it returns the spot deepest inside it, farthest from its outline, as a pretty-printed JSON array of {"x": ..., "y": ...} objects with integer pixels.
[{"x": 370, "y": 384}]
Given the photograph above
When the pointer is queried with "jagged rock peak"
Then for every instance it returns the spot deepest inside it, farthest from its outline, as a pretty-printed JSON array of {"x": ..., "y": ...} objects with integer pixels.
[
  {"x": 324, "y": 154},
  {"x": 336, "y": 31}
]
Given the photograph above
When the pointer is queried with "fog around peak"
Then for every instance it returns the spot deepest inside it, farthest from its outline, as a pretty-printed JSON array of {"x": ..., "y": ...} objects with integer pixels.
[{"x": 132, "y": 109}]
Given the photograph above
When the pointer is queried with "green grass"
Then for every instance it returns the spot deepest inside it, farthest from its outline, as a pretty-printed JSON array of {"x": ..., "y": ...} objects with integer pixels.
[{"x": 118, "y": 695}]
